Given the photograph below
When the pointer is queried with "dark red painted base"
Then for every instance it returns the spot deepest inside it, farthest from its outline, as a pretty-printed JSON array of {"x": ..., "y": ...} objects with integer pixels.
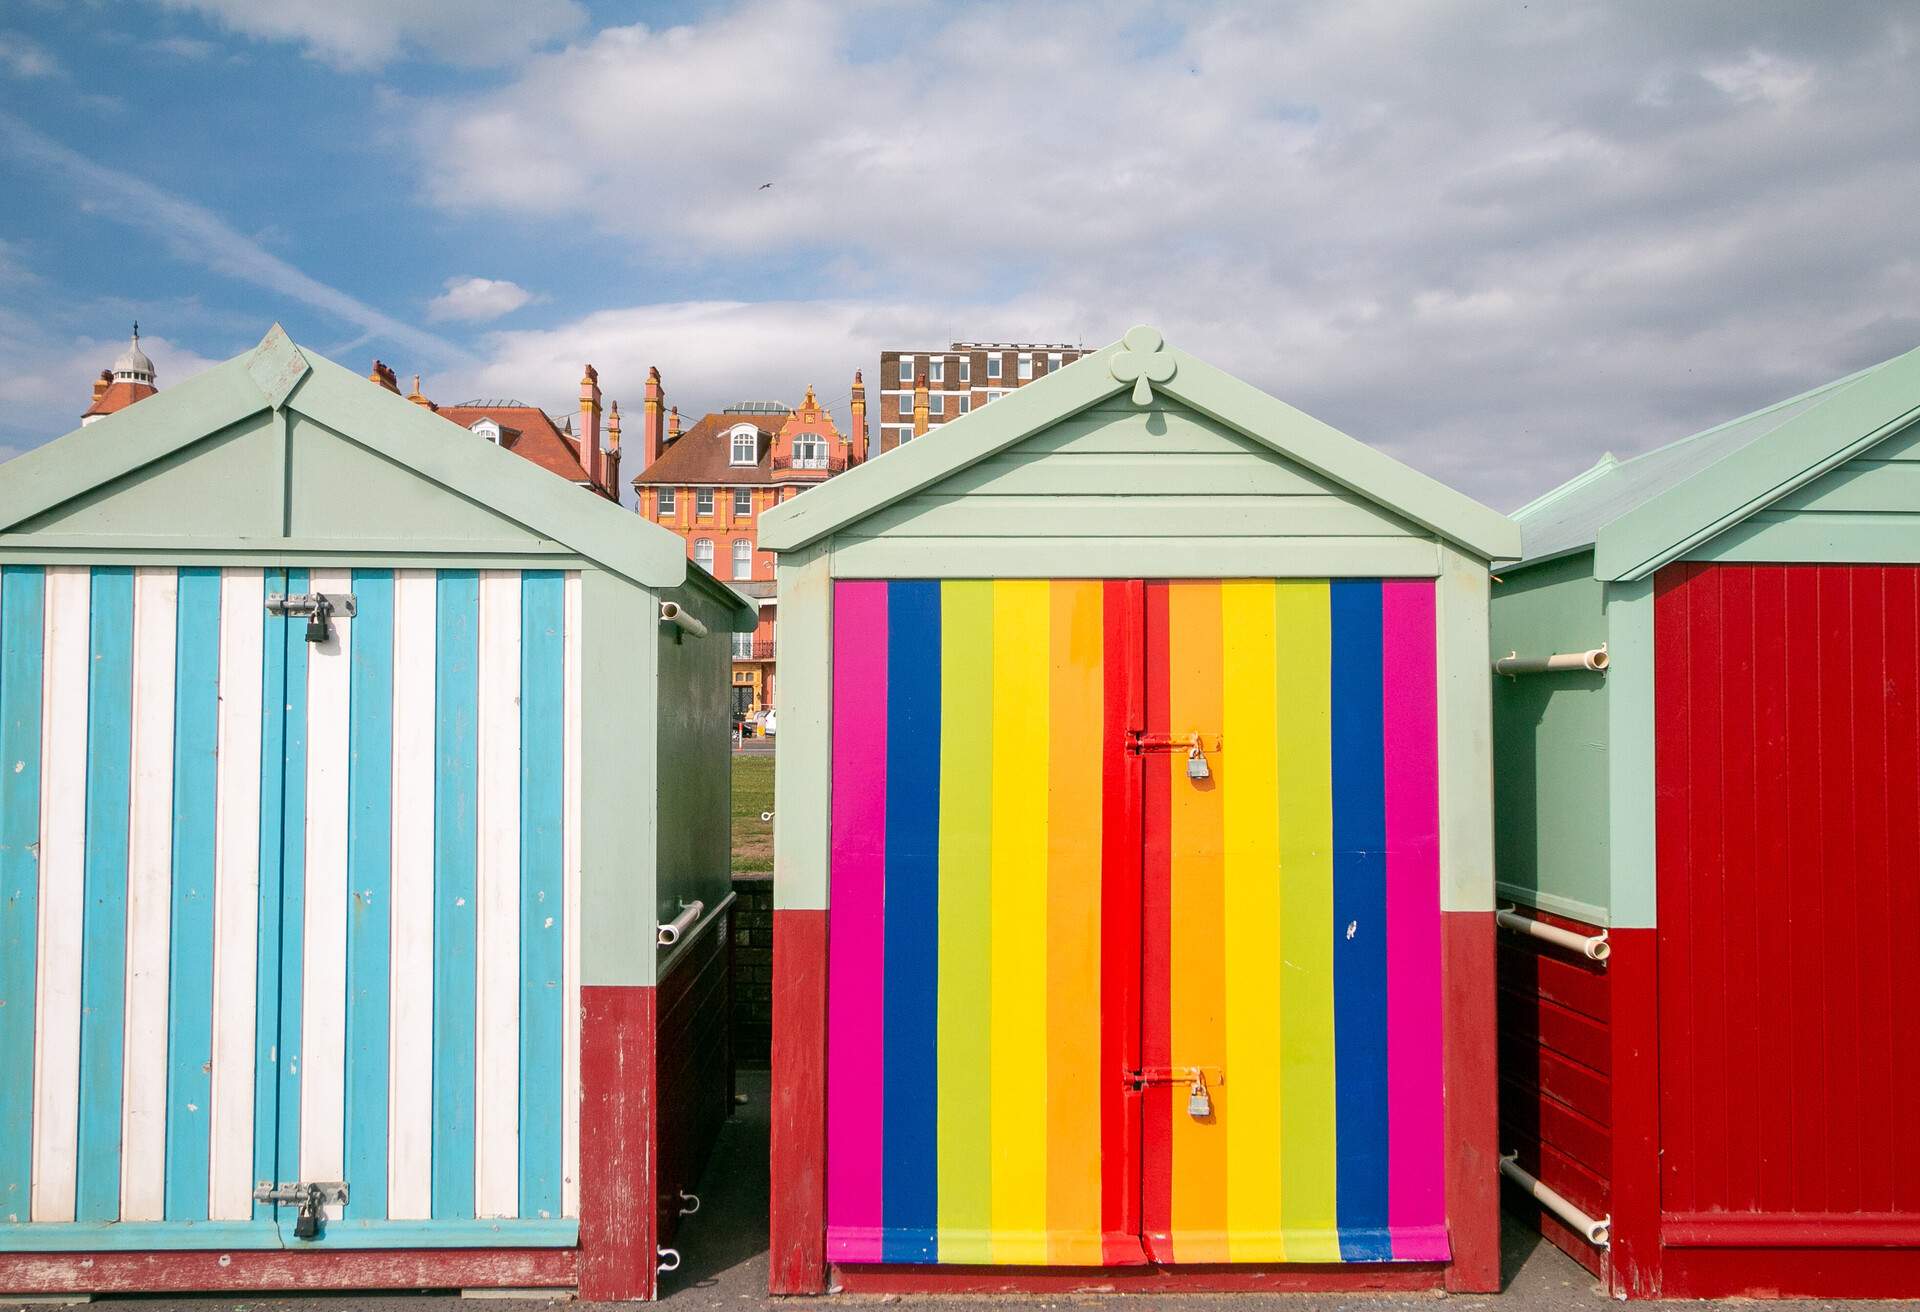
[
  {"x": 1790, "y": 1273},
  {"x": 797, "y": 1225},
  {"x": 1288, "y": 1279},
  {"x": 617, "y": 1166},
  {"x": 1472, "y": 1094},
  {"x": 210, "y": 1272}
]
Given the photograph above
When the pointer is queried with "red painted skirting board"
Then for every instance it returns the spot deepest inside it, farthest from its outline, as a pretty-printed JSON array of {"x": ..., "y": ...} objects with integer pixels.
[
  {"x": 1137, "y": 1279},
  {"x": 1472, "y": 1127},
  {"x": 214, "y": 1272},
  {"x": 617, "y": 1147},
  {"x": 797, "y": 1237},
  {"x": 1824, "y": 1273},
  {"x": 1802, "y": 1230}
]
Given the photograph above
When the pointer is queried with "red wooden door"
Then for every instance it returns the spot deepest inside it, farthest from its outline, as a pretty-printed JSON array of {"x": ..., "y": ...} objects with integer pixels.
[{"x": 1787, "y": 742}]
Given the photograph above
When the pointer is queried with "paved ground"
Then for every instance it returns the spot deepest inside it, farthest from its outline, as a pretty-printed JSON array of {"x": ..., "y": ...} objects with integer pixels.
[{"x": 725, "y": 1265}]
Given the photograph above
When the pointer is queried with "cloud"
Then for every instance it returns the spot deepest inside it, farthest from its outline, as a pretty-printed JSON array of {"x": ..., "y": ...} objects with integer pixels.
[
  {"x": 48, "y": 379},
  {"x": 476, "y": 300},
  {"x": 184, "y": 47},
  {"x": 23, "y": 57},
  {"x": 197, "y": 235},
  {"x": 1492, "y": 240},
  {"x": 366, "y": 34}
]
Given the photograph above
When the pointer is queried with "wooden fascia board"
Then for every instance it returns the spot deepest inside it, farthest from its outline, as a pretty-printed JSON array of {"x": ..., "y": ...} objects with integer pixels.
[
  {"x": 745, "y": 614},
  {"x": 1353, "y": 464},
  {"x": 1710, "y": 501},
  {"x": 830, "y": 506}
]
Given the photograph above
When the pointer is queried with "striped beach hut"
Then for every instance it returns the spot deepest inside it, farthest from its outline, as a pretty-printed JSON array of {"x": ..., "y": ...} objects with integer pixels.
[
  {"x": 1133, "y": 902},
  {"x": 350, "y": 771}
]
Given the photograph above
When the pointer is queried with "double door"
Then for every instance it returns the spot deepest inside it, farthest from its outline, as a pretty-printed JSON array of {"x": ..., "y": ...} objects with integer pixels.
[{"x": 1134, "y": 923}]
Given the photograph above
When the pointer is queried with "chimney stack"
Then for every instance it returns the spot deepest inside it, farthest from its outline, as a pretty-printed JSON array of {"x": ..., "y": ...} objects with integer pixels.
[
  {"x": 416, "y": 396},
  {"x": 650, "y": 437},
  {"x": 383, "y": 375},
  {"x": 612, "y": 488},
  {"x": 859, "y": 454},
  {"x": 102, "y": 383},
  {"x": 673, "y": 423},
  {"x": 590, "y": 427}
]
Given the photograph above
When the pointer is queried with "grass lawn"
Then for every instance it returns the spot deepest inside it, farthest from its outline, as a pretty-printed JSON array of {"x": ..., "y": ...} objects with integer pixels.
[{"x": 752, "y": 794}]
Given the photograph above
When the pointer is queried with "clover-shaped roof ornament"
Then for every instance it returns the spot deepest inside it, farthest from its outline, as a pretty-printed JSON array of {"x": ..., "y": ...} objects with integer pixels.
[{"x": 1144, "y": 361}]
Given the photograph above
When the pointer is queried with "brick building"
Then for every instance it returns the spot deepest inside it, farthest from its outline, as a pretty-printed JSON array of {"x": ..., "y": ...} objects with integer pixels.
[
  {"x": 921, "y": 390},
  {"x": 711, "y": 483},
  {"x": 131, "y": 378}
]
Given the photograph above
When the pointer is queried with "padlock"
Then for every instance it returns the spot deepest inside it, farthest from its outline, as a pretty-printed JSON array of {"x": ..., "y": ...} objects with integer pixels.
[
  {"x": 1197, "y": 764},
  {"x": 1199, "y": 1104}
]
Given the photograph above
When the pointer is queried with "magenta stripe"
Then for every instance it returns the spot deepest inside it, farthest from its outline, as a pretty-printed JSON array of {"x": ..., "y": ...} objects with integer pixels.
[
  {"x": 1416, "y": 1194},
  {"x": 856, "y": 921}
]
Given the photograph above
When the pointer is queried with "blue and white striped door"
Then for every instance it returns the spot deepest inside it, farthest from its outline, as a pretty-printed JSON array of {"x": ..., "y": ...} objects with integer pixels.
[{"x": 276, "y": 911}]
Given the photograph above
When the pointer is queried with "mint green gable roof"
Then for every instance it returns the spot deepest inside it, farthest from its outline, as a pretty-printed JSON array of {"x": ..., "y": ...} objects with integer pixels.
[
  {"x": 1141, "y": 361},
  {"x": 299, "y": 394},
  {"x": 1640, "y": 514}
]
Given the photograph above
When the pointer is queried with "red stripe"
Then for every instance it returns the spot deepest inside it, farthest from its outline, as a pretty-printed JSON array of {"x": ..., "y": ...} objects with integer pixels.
[
  {"x": 617, "y": 1168},
  {"x": 1156, "y": 1017},
  {"x": 797, "y": 1239},
  {"x": 1120, "y": 928}
]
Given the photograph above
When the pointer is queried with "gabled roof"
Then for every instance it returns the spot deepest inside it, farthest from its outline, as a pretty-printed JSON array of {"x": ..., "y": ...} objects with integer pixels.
[
  {"x": 118, "y": 396},
  {"x": 703, "y": 455},
  {"x": 1639, "y": 514},
  {"x": 527, "y": 431},
  {"x": 276, "y": 376},
  {"x": 1140, "y": 361}
]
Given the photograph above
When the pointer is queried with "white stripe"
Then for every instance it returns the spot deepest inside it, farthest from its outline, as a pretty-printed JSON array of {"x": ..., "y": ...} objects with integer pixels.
[
  {"x": 143, "y": 1147},
  {"x": 570, "y": 901},
  {"x": 496, "y": 1158},
  {"x": 236, "y": 895},
  {"x": 63, "y": 833},
  {"x": 410, "y": 985},
  {"x": 323, "y": 954}
]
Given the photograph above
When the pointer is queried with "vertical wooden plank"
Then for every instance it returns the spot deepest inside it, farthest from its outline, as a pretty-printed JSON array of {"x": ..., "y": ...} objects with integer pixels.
[
  {"x": 1903, "y": 841},
  {"x": 1251, "y": 901},
  {"x": 570, "y": 874},
  {"x": 455, "y": 890},
  {"x": 247, "y": 700},
  {"x": 497, "y": 988},
  {"x": 22, "y": 635},
  {"x": 369, "y": 900},
  {"x": 544, "y": 914},
  {"x": 802, "y": 798},
  {"x": 1742, "y": 1069},
  {"x": 1840, "y": 856},
  {"x": 1874, "y": 1002},
  {"x": 63, "y": 832},
  {"x": 1676, "y": 634},
  {"x": 1123, "y": 653},
  {"x": 411, "y": 966},
  {"x": 965, "y": 950},
  {"x": 910, "y": 1020},
  {"x": 284, "y": 833},
  {"x": 1156, "y": 939},
  {"x": 323, "y": 981},
  {"x": 1809, "y": 900},
  {"x": 143, "y": 1098},
  {"x": 1303, "y": 680},
  {"x": 1465, "y": 709},
  {"x": 1771, "y": 807}
]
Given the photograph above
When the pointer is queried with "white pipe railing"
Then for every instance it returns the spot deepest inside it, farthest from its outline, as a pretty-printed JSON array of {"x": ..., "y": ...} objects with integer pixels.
[
  {"x": 1594, "y": 660},
  {"x": 1594, "y": 947},
  {"x": 672, "y": 612},
  {"x": 671, "y": 931},
  {"x": 1595, "y": 1230}
]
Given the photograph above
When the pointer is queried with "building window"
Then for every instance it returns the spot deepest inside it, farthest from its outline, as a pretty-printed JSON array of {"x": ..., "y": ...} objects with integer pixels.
[
  {"x": 993, "y": 367},
  {"x": 963, "y": 404},
  {"x": 966, "y": 370},
  {"x": 703, "y": 503},
  {"x": 809, "y": 451},
  {"x": 1026, "y": 366},
  {"x": 743, "y": 558},
  {"x": 742, "y": 502},
  {"x": 666, "y": 501},
  {"x": 743, "y": 646},
  {"x": 906, "y": 369},
  {"x": 746, "y": 445},
  {"x": 1053, "y": 363},
  {"x": 936, "y": 370},
  {"x": 703, "y": 554},
  {"x": 937, "y": 403}
]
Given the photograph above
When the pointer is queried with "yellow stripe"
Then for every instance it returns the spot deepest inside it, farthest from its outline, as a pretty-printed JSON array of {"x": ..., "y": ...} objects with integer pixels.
[
  {"x": 966, "y": 945},
  {"x": 1073, "y": 926},
  {"x": 1302, "y": 683},
  {"x": 1021, "y": 624},
  {"x": 1250, "y": 733}
]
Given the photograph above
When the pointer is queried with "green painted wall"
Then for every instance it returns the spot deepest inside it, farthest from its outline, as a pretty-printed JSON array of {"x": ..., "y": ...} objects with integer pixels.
[
  {"x": 1550, "y": 738},
  {"x": 231, "y": 479},
  {"x": 694, "y": 736}
]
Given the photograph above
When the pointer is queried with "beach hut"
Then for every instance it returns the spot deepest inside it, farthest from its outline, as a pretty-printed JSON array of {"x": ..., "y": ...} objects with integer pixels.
[
  {"x": 1133, "y": 882},
  {"x": 352, "y": 766},
  {"x": 1705, "y": 751}
]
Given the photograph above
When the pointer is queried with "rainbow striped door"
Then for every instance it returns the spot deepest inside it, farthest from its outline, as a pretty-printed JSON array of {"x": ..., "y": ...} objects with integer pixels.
[{"x": 1092, "y": 1004}]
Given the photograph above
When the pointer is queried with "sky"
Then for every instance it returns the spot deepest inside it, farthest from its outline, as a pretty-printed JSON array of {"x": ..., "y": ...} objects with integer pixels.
[{"x": 1493, "y": 239}]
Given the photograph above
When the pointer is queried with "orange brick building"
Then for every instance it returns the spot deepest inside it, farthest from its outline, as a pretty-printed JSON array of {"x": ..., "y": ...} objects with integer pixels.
[{"x": 921, "y": 390}]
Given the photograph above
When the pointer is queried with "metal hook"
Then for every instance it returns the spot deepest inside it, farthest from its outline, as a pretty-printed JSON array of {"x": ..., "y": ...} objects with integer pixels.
[
  {"x": 665, "y": 1253},
  {"x": 685, "y": 1198}
]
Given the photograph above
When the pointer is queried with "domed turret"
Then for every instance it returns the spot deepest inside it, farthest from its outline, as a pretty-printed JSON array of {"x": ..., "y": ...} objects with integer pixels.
[{"x": 133, "y": 366}]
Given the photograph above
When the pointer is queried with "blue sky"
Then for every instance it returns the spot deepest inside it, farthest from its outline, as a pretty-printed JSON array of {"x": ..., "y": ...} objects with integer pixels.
[{"x": 1494, "y": 239}]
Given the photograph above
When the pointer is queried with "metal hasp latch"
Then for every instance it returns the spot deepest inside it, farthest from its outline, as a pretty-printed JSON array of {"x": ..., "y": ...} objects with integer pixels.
[
  {"x": 1196, "y": 1078},
  {"x": 318, "y": 607},
  {"x": 1196, "y": 746},
  {"x": 309, "y": 1196}
]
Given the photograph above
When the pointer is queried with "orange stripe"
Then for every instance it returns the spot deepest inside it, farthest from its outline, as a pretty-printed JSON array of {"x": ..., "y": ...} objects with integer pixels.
[
  {"x": 1198, "y": 967},
  {"x": 1074, "y": 780}
]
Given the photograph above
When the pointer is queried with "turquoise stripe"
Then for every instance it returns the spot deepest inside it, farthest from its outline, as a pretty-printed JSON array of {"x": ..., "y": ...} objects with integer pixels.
[
  {"x": 196, "y": 741},
  {"x": 293, "y": 888},
  {"x": 455, "y": 871},
  {"x": 103, "y": 950},
  {"x": 273, "y": 785},
  {"x": 22, "y": 621},
  {"x": 543, "y": 601},
  {"x": 369, "y": 888},
  {"x": 139, "y": 1236}
]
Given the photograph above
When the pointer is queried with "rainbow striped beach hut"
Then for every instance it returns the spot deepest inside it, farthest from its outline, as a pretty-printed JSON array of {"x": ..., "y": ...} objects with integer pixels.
[
  {"x": 333, "y": 849},
  {"x": 1133, "y": 898}
]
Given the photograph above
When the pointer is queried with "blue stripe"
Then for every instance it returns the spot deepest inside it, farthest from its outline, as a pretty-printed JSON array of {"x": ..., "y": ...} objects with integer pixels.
[
  {"x": 1359, "y": 922},
  {"x": 543, "y": 608},
  {"x": 369, "y": 890},
  {"x": 103, "y": 950},
  {"x": 455, "y": 870},
  {"x": 196, "y": 742},
  {"x": 22, "y": 621},
  {"x": 293, "y": 887},
  {"x": 909, "y": 1182}
]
